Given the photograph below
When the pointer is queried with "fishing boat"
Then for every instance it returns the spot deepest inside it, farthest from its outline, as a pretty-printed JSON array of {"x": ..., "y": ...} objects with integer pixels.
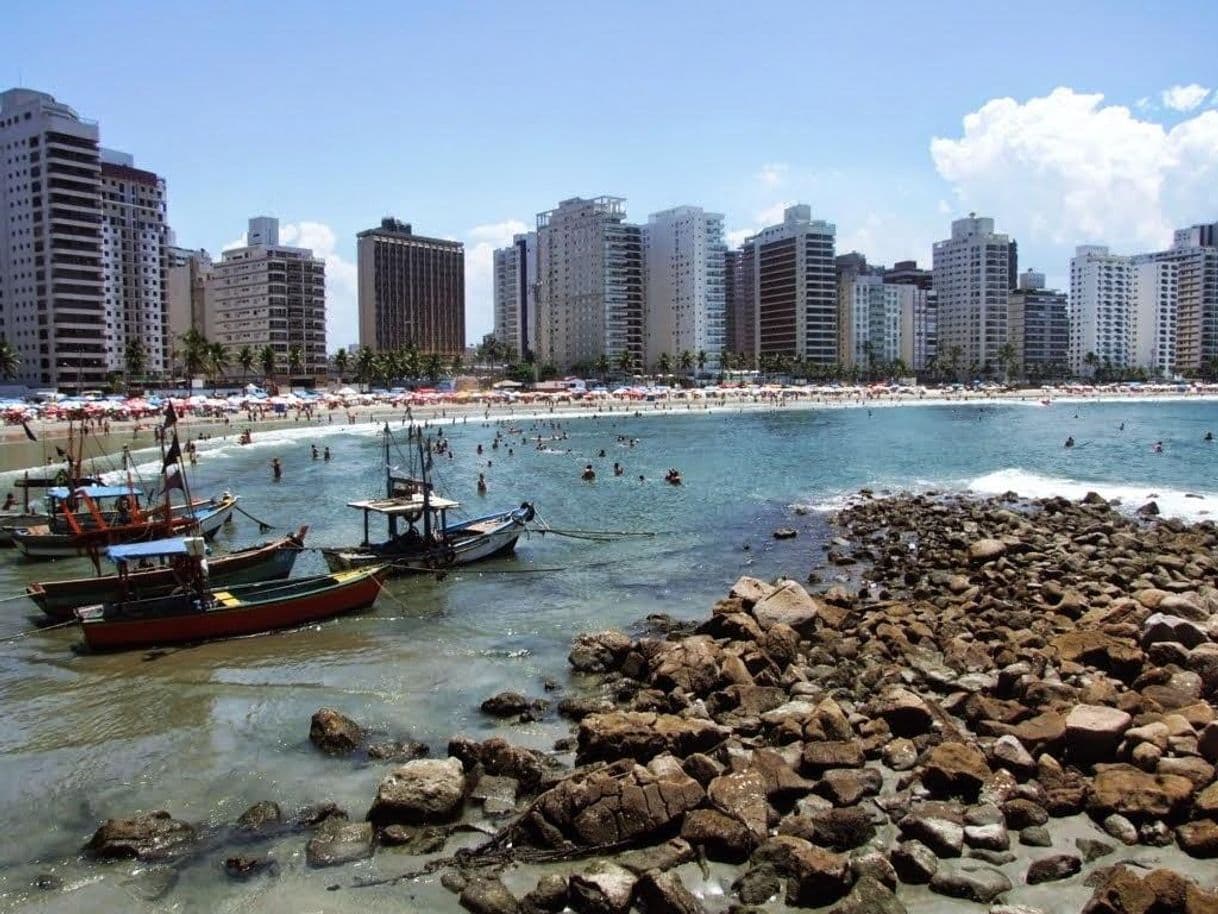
[
  {"x": 41, "y": 542},
  {"x": 112, "y": 501},
  {"x": 156, "y": 576},
  {"x": 201, "y": 612},
  {"x": 420, "y": 537}
]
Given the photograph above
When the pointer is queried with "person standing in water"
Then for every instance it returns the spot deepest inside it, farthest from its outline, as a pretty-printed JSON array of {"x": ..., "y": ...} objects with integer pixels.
[
  {"x": 481, "y": 484},
  {"x": 276, "y": 469},
  {"x": 1070, "y": 441}
]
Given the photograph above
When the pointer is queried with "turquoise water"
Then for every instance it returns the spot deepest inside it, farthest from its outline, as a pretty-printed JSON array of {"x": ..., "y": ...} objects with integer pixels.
[{"x": 205, "y": 731}]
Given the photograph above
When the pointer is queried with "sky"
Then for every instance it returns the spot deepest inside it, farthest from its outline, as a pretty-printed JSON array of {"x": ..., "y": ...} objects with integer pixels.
[{"x": 1068, "y": 123}]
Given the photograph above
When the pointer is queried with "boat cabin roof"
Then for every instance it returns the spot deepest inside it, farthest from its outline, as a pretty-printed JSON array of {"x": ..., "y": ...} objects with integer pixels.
[
  {"x": 126, "y": 552},
  {"x": 404, "y": 505},
  {"x": 63, "y": 492}
]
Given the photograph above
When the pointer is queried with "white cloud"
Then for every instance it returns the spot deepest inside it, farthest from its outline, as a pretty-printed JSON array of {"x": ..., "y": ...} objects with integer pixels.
[
  {"x": 1065, "y": 168},
  {"x": 773, "y": 173},
  {"x": 480, "y": 244},
  {"x": 737, "y": 237},
  {"x": 1184, "y": 98}
]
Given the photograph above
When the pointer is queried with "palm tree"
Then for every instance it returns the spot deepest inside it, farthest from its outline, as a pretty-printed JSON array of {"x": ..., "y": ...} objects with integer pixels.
[
  {"x": 954, "y": 355},
  {"x": 625, "y": 362},
  {"x": 602, "y": 366},
  {"x": 341, "y": 362},
  {"x": 1006, "y": 358},
  {"x": 457, "y": 363},
  {"x": 686, "y": 361},
  {"x": 664, "y": 365},
  {"x": 365, "y": 365},
  {"x": 702, "y": 359},
  {"x": 387, "y": 367},
  {"x": 246, "y": 360},
  {"x": 433, "y": 367},
  {"x": 10, "y": 361},
  {"x": 409, "y": 362},
  {"x": 295, "y": 359},
  {"x": 268, "y": 358},
  {"x": 1092, "y": 361},
  {"x": 195, "y": 351},
  {"x": 134, "y": 358},
  {"x": 217, "y": 358}
]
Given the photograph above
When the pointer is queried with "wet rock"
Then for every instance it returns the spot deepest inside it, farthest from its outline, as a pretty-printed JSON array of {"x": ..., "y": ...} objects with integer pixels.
[
  {"x": 578, "y": 707},
  {"x": 333, "y": 732},
  {"x": 954, "y": 769},
  {"x": 818, "y": 876},
  {"x": 986, "y": 550},
  {"x": 454, "y": 881},
  {"x": 742, "y": 795},
  {"x": 550, "y": 894},
  {"x": 1021, "y": 813},
  {"x": 992, "y": 837},
  {"x": 151, "y": 883},
  {"x": 151, "y": 836},
  {"x": 945, "y": 838},
  {"x": 720, "y": 836},
  {"x": 665, "y": 856},
  {"x": 599, "y": 652},
  {"x": 496, "y": 793},
  {"x": 785, "y": 533},
  {"x": 788, "y": 604},
  {"x": 665, "y": 893},
  {"x": 757, "y": 885},
  {"x": 260, "y": 816},
  {"x": 397, "y": 751},
  {"x": 1093, "y": 849},
  {"x": 914, "y": 862},
  {"x": 1035, "y": 836},
  {"x": 643, "y": 736},
  {"x": 244, "y": 867},
  {"x": 836, "y": 829},
  {"x": 905, "y": 713},
  {"x": 1050, "y": 869},
  {"x": 900, "y": 754},
  {"x": 971, "y": 881},
  {"x": 425, "y": 790},
  {"x": 318, "y": 813},
  {"x": 506, "y": 704},
  {"x": 487, "y": 895},
  {"x": 1119, "y": 827},
  {"x": 499, "y": 758},
  {"x": 604, "y": 888},
  {"x": 1137, "y": 794},
  {"x": 1093, "y": 732},
  {"x": 819, "y": 757},
  {"x": 869, "y": 896},
  {"x": 47, "y": 882},
  {"x": 1163, "y": 627},
  {"x": 1199, "y": 839},
  {"x": 337, "y": 842}
]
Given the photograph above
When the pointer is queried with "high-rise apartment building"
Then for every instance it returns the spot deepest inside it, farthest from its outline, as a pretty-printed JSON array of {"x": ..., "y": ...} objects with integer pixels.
[
  {"x": 589, "y": 283},
  {"x": 411, "y": 290},
  {"x": 795, "y": 288},
  {"x": 685, "y": 295},
  {"x": 134, "y": 260},
  {"x": 974, "y": 271},
  {"x": 1195, "y": 253},
  {"x": 268, "y": 294},
  {"x": 907, "y": 273},
  {"x": 515, "y": 281},
  {"x": 185, "y": 295},
  {"x": 1101, "y": 310},
  {"x": 740, "y": 305},
  {"x": 1038, "y": 328},
  {"x": 869, "y": 320},
  {"x": 1156, "y": 315},
  {"x": 919, "y": 313},
  {"x": 52, "y": 306}
]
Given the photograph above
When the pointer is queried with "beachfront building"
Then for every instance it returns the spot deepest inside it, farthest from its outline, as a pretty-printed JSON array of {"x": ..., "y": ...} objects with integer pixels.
[
  {"x": 1155, "y": 315},
  {"x": 1195, "y": 253},
  {"x": 919, "y": 313},
  {"x": 973, "y": 271},
  {"x": 740, "y": 304},
  {"x": 134, "y": 264},
  {"x": 684, "y": 296},
  {"x": 795, "y": 289},
  {"x": 589, "y": 285},
  {"x": 1038, "y": 328},
  {"x": 869, "y": 321},
  {"x": 1101, "y": 305},
  {"x": 515, "y": 281},
  {"x": 185, "y": 294},
  {"x": 268, "y": 294},
  {"x": 411, "y": 290},
  {"x": 52, "y": 305}
]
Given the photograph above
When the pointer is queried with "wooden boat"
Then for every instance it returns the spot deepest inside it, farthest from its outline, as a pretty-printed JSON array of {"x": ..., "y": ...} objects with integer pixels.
[
  {"x": 266, "y": 562},
  {"x": 203, "y": 613},
  {"x": 57, "y": 523},
  {"x": 41, "y": 543},
  {"x": 428, "y": 541}
]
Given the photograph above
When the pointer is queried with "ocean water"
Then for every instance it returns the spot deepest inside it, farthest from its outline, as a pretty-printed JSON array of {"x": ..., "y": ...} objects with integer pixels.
[{"x": 205, "y": 731}]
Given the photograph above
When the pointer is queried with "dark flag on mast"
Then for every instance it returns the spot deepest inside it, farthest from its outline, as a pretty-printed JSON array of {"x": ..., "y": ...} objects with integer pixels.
[
  {"x": 171, "y": 417},
  {"x": 173, "y": 455},
  {"x": 174, "y": 481},
  {"x": 28, "y": 431}
]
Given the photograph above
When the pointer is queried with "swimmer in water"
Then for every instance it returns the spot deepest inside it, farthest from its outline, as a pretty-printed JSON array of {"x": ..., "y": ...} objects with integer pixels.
[
  {"x": 588, "y": 474},
  {"x": 326, "y": 455},
  {"x": 618, "y": 469},
  {"x": 276, "y": 469},
  {"x": 1070, "y": 441},
  {"x": 481, "y": 484},
  {"x": 1157, "y": 447},
  {"x": 1209, "y": 436}
]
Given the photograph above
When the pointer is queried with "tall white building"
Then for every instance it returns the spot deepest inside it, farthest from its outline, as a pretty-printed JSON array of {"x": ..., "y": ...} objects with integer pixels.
[
  {"x": 515, "y": 278},
  {"x": 918, "y": 325},
  {"x": 267, "y": 294},
  {"x": 870, "y": 315},
  {"x": 974, "y": 271},
  {"x": 1195, "y": 253},
  {"x": 1155, "y": 315},
  {"x": 1101, "y": 310},
  {"x": 795, "y": 288},
  {"x": 135, "y": 262},
  {"x": 185, "y": 295},
  {"x": 685, "y": 296},
  {"x": 589, "y": 284},
  {"x": 52, "y": 307}
]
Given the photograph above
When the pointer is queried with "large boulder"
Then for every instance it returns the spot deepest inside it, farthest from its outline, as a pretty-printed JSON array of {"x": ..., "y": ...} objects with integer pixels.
[
  {"x": 1163, "y": 627},
  {"x": 333, "y": 732},
  {"x": 665, "y": 893},
  {"x": 742, "y": 795},
  {"x": 986, "y": 550},
  {"x": 1137, "y": 794},
  {"x": 338, "y": 842},
  {"x": 691, "y": 664},
  {"x": 971, "y": 881},
  {"x": 642, "y": 736},
  {"x": 1093, "y": 732},
  {"x": 604, "y": 888},
  {"x": 150, "y": 836},
  {"x": 498, "y": 757},
  {"x": 789, "y": 604},
  {"x": 618, "y": 802},
  {"x": 719, "y": 835},
  {"x": 905, "y": 712},
  {"x": 599, "y": 652},
  {"x": 954, "y": 769},
  {"x": 488, "y": 895},
  {"x": 419, "y": 792},
  {"x": 1092, "y": 647}
]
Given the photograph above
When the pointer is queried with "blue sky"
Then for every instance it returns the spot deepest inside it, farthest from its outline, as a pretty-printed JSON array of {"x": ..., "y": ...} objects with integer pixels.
[{"x": 1090, "y": 122}]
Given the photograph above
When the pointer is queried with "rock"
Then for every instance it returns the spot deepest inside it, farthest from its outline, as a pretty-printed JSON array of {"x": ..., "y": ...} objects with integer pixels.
[
  {"x": 820, "y": 756},
  {"x": 742, "y": 795},
  {"x": 986, "y": 550},
  {"x": 954, "y": 769},
  {"x": 751, "y": 590},
  {"x": 1163, "y": 627},
  {"x": 337, "y": 842},
  {"x": 243, "y": 867},
  {"x": 1093, "y": 732},
  {"x": 1014, "y": 909},
  {"x": 1207, "y": 743},
  {"x": 151, "y": 883},
  {"x": 665, "y": 856},
  {"x": 785, "y": 533},
  {"x": 422, "y": 791},
  {"x": 838, "y": 829},
  {"x": 487, "y": 895},
  {"x": 872, "y": 862},
  {"x": 1095, "y": 648},
  {"x": 1137, "y": 794},
  {"x": 665, "y": 893},
  {"x": 1117, "y": 826},
  {"x": 505, "y": 704},
  {"x": 818, "y": 877},
  {"x": 500, "y": 758},
  {"x": 333, "y": 732},
  {"x": 619, "y": 802},
  {"x": 757, "y": 885},
  {"x": 496, "y": 793},
  {"x": 604, "y": 888},
  {"x": 970, "y": 881},
  {"x": 642, "y": 736},
  {"x": 1050, "y": 869},
  {"x": 905, "y": 712},
  {"x": 847, "y": 786},
  {"x": 148, "y": 837},
  {"x": 1021, "y": 813},
  {"x": 914, "y": 862},
  {"x": 454, "y": 881},
  {"x": 578, "y": 707},
  {"x": 47, "y": 882},
  {"x": 1035, "y": 836},
  {"x": 397, "y": 751},
  {"x": 1009, "y": 753},
  {"x": 788, "y": 604},
  {"x": 1199, "y": 839},
  {"x": 1150, "y": 509},
  {"x": 900, "y": 754},
  {"x": 550, "y": 894},
  {"x": 599, "y": 652},
  {"x": 720, "y": 836},
  {"x": 987, "y": 837},
  {"x": 1093, "y": 849},
  {"x": 318, "y": 814},
  {"x": 869, "y": 896},
  {"x": 260, "y": 816},
  {"x": 1041, "y": 733},
  {"x": 942, "y": 836}
]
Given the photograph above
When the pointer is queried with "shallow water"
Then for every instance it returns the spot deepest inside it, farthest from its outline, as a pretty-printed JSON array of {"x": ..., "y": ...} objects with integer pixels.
[{"x": 205, "y": 731}]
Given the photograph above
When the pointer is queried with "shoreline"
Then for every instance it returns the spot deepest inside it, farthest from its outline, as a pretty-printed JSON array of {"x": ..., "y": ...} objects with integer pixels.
[{"x": 18, "y": 454}]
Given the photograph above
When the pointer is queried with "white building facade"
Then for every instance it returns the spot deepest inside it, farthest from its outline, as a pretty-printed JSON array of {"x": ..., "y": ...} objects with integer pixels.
[
  {"x": 1101, "y": 310},
  {"x": 1155, "y": 315},
  {"x": 871, "y": 318},
  {"x": 973, "y": 274},
  {"x": 515, "y": 291},
  {"x": 685, "y": 294},
  {"x": 918, "y": 326}
]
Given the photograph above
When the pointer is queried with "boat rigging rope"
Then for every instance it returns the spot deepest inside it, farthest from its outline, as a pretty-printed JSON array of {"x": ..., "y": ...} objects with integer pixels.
[
  {"x": 263, "y": 526},
  {"x": 34, "y": 631}
]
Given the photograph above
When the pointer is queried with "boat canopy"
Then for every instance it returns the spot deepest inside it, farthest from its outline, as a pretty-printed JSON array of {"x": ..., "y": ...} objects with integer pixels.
[
  {"x": 63, "y": 492},
  {"x": 411, "y": 506},
  {"x": 126, "y": 552}
]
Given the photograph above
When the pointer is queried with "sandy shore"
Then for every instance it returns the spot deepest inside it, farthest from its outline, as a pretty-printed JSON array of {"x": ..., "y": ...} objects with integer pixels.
[{"x": 18, "y": 453}]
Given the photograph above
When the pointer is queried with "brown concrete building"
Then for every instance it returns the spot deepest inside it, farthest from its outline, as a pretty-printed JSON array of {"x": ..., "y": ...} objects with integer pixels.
[{"x": 411, "y": 290}]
